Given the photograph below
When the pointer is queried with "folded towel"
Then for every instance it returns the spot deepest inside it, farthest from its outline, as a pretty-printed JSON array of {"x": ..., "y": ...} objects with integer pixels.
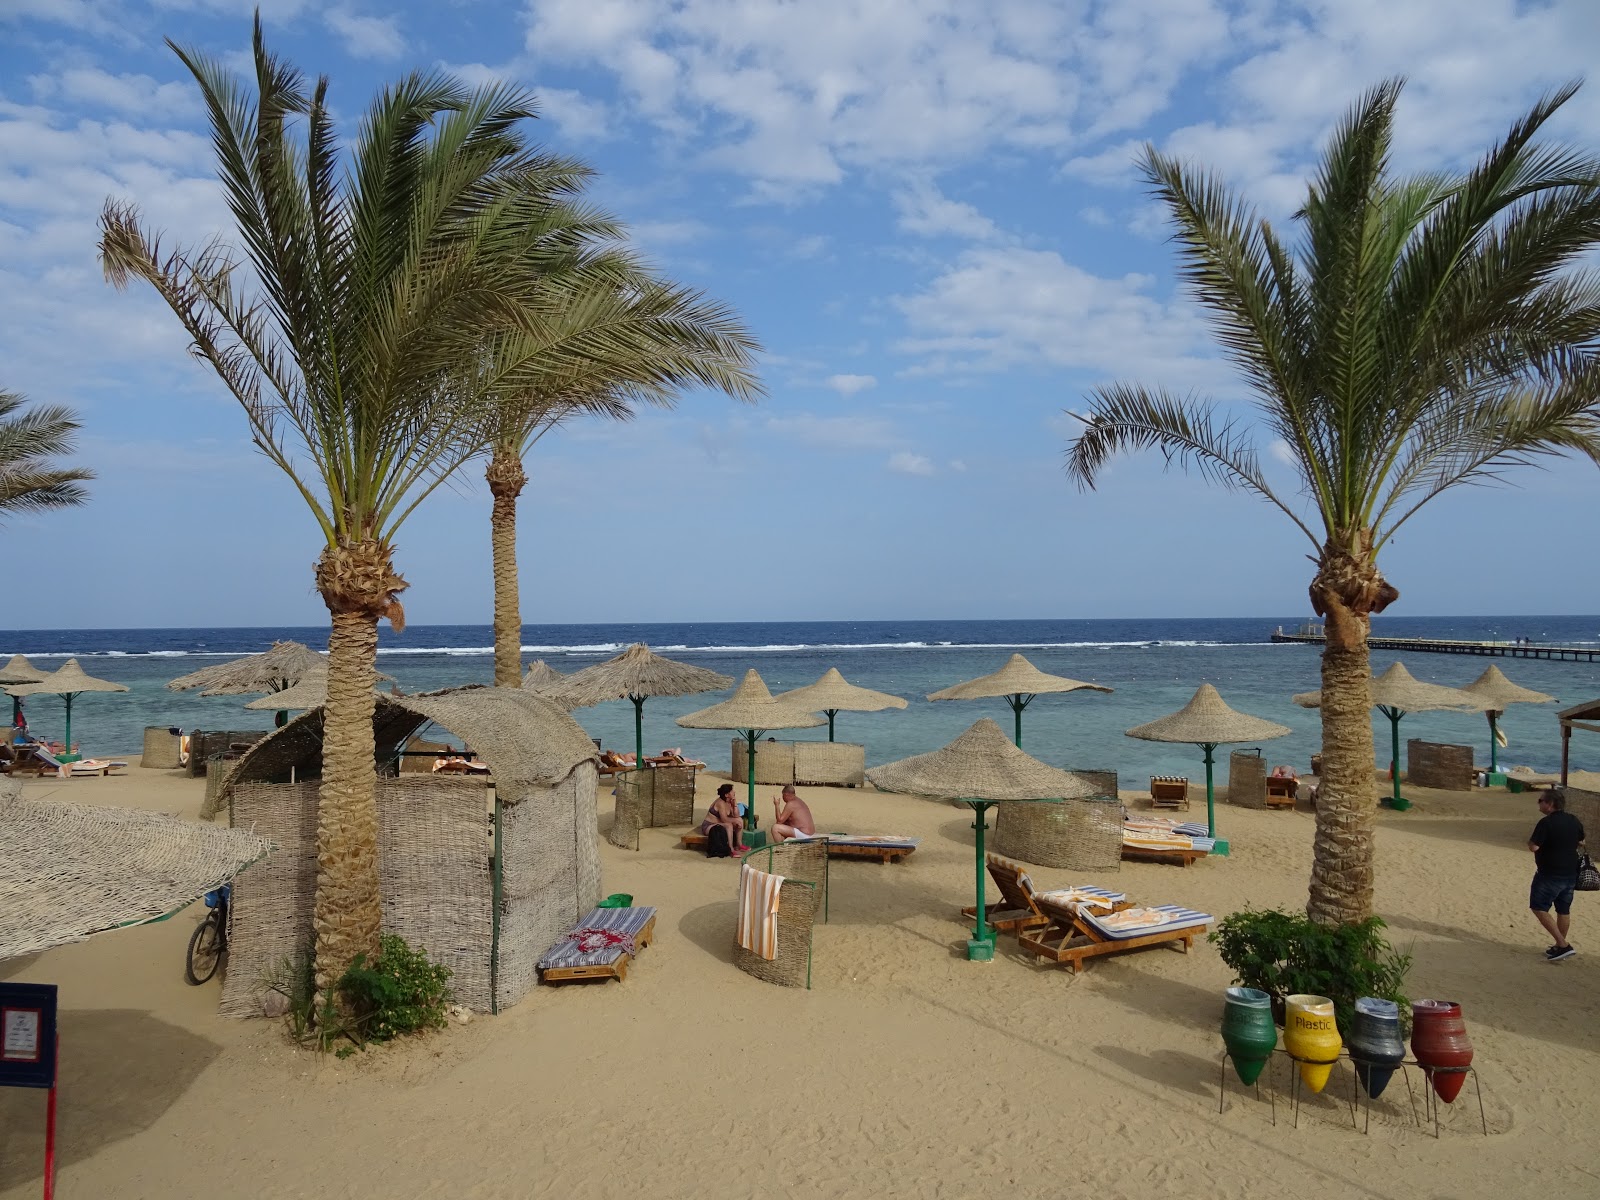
[
  {"x": 1134, "y": 922},
  {"x": 1083, "y": 896},
  {"x": 758, "y": 911}
]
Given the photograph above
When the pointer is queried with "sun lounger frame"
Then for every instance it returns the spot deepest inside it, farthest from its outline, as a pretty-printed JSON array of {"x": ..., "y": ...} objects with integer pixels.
[
  {"x": 616, "y": 969},
  {"x": 1069, "y": 938}
]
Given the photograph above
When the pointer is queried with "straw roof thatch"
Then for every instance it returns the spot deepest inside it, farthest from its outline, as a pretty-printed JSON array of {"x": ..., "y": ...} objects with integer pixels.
[
  {"x": 1207, "y": 719},
  {"x": 310, "y": 692},
  {"x": 1397, "y": 688},
  {"x": 67, "y": 680},
  {"x": 541, "y": 674},
  {"x": 634, "y": 674},
  {"x": 751, "y": 707},
  {"x": 1017, "y": 677},
  {"x": 20, "y": 670},
  {"x": 981, "y": 764},
  {"x": 283, "y": 666},
  {"x": 833, "y": 691},
  {"x": 68, "y": 871},
  {"x": 526, "y": 740},
  {"x": 1492, "y": 685}
]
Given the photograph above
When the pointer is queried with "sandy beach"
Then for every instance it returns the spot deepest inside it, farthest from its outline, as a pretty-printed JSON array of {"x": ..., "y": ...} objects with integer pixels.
[{"x": 906, "y": 1071}]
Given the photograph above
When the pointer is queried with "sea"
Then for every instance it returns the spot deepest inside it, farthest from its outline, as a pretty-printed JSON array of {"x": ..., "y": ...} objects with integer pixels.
[{"x": 1152, "y": 665}]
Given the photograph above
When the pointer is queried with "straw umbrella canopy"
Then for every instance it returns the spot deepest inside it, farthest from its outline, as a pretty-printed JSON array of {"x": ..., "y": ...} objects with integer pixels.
[
  {"x": 636, "y": 674},
  {"x": 980, "y": 768},
  {"x": 751, "y": 711},
  {"x": 1493, "y": 686},
  {"x": 18, "y": 670},
  {"x": 283, "y": 666},
  {"x": 1020, "y": 682},
  {"x": 833, "y": 694},
  {"x": 68, "y": 681},
  {"x": 1397, "y": 692},
  {"x": 1208, "y": 722},
  {"x": 541, "y": 675}
]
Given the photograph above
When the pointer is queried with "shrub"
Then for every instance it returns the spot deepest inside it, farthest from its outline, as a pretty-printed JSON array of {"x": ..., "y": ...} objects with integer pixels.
[
  {"x": 399, "y": 992},
  {"x": 1287, "y": 953}
]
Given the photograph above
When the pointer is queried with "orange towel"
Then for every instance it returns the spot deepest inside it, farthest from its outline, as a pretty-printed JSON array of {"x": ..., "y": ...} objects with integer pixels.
[{"x": 758, "y": 911}]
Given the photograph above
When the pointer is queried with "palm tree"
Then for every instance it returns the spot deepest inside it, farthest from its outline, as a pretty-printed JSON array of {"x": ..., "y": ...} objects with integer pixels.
[
  {"x": 28, "y": 440},
  {"x": 351, "y": 335},
  {"x": 1419, "y": 333},
  {"x": 617, "y": 337}
]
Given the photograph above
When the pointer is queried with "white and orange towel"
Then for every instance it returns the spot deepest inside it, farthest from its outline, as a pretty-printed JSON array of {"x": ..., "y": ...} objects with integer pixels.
[{"x": 758, "y": 911}]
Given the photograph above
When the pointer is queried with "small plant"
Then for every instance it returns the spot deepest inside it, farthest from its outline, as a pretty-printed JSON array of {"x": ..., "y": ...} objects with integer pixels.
[
  {"x": 397, "y": 993},
  {"x": 1283, "y": 954}
]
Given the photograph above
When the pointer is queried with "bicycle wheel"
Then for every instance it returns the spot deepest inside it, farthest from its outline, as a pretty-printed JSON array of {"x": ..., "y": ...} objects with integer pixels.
[{"x": 205, "y": 949}]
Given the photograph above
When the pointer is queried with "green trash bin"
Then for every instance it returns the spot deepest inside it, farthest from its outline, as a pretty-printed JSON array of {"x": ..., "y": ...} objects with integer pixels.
[{"x": 616, "y": 900}]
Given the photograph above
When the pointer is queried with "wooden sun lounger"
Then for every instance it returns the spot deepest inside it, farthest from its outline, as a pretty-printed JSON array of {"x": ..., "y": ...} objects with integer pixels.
[
  {"x": 96, "y": 766},
  {"x": 888, "y": 852},
  {"x": 1015, "y": 910},
  {"x": 1176, "y": 856},
  {"x": 562, "y": 965},
  {"x": 1167, "y": 791},
  {"x": 1069, "y": 937},
  {"x": 1281, "y": 792}
]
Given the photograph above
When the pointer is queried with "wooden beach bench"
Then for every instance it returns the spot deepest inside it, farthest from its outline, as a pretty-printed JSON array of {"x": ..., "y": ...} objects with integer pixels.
[
  {"x": 1017, "y": 910},
  {"x": 859, "y": 846},
  {"x": 1074, "y": 935},
  {"x": 600, "y": 946},
  {"x": 1169, "y": 791},
  {"x": 1281, "y": 792}
]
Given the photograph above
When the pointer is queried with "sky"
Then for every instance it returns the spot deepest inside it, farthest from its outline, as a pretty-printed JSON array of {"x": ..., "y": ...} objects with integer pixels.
[{"x": 926, "y": 210}]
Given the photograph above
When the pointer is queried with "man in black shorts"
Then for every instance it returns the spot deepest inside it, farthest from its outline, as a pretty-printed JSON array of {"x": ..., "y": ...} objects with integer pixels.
[{"x": 1555, "y": 843}]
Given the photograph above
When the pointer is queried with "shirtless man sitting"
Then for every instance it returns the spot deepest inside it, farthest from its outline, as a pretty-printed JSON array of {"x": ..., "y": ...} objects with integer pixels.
[{"x": 791, "y": 816}]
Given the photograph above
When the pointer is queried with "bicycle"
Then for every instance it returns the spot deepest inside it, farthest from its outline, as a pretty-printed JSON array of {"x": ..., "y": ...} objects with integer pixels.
[{"x": 209, "y": 941}]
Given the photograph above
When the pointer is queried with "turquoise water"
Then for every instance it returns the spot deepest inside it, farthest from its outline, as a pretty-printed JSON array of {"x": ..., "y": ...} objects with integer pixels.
[{"x": 1153, "y": 665}]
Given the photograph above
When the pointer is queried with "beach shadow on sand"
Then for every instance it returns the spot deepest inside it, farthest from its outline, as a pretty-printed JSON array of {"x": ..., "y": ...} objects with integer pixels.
[{"x": 121, "y": 1069}]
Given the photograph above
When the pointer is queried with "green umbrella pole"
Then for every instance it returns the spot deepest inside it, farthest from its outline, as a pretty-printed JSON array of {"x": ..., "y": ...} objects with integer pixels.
[
  {"x": 751, "y": 821},
  {"x": 1494, "y": 743},
  {"x": 981, "y": 947},
  {"x": 1018, "y": 702},
  {"x": 832, "y": 712},
  {"x": 67, "y": 754},
  {"x": 1218, "y": 846},
  {"x": 1398, "y": 802},
  {"x": 16, "y": 710},
  {"x": 638, "y": 732}
]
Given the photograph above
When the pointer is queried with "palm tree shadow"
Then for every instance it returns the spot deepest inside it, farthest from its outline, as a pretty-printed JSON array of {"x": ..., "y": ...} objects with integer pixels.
[{"x": 121, "y": 1069}]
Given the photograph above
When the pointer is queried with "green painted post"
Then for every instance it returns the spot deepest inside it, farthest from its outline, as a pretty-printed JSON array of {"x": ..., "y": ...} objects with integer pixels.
[
  {"x": 1211, "y": 794},
  {"x": 68, "y": 754},
  {"x": 638, "y": 732},
  {"x": 981, "y": 947},
  {"x": 1399, "y": 802},
  {"x": 751, "y": 820},
  {"x": 1494, "y": 743},
  {"x": 832, "y": 712}
]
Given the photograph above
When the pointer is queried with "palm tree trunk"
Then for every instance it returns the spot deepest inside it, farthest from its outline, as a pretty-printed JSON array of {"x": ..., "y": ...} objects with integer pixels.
[
  {"x": 1346, "y": 592},
  {"x": 358, "y": 584},
  {"x": 506, "y": 479}
]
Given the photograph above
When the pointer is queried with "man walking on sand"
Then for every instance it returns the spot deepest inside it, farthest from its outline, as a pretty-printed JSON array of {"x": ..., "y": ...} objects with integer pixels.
[{"x": 1555, "y": 843}]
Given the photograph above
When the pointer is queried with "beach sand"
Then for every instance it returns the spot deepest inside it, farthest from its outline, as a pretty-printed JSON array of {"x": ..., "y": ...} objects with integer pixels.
[{"x": 906, "y": 1071}]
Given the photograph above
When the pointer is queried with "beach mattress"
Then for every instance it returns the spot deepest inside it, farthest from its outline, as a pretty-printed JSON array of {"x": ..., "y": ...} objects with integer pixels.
[
  {"x": 1141, "y": 922},
  {"x": 600, "y": 939}
]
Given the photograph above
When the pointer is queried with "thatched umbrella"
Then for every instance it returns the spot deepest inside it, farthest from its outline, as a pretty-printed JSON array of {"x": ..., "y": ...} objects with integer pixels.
[
  {"x": 1397, "y": 692},
  {"x": 272, "y": 670},
  {"x": 980, "y": 769},
  {"x": 1492, "y": 685},
  {"x": 69, "y": 681},
  {"x": 833, "y": 694},
  {"x": 1019, "y": 681},
  {"x": 542, "y": 675},
  {"x": 1208, "y": 722},
  {"x": 751, "y": 711},
  {"x": 18, "y": 670},
  {"x": 636, "y": 674}
]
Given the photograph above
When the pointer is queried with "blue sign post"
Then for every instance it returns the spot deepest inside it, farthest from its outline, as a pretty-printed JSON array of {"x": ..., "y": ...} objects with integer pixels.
[{"x": 29, "y": 1050}]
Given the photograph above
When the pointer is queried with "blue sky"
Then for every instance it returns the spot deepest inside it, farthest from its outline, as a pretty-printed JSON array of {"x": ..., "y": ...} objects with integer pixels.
[{"x": 925, "y": 210}]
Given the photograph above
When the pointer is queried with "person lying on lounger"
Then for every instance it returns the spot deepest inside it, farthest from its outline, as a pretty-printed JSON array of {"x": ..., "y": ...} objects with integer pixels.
[
  {"x": 791, "y": 816},
  {"x": 724, "y": 814}
]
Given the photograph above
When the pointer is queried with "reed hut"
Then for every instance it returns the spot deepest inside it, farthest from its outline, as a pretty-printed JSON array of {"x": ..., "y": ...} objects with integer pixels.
[{"x": 483, "y": 873}]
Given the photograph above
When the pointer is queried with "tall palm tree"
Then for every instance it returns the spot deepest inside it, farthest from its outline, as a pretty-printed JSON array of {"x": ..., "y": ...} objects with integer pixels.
[
  {"x": 618, "y": 337},
  {"x": 28, "y": 441},
  {"x": 350, "y": 333},
  {"x": 1418, "y": 333}
]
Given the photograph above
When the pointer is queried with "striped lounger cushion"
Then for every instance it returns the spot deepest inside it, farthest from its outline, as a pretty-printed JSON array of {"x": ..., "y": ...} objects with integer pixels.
[
  {"x": 593, "y": 941},
  {"x": 1141, "y": 922},
  {"x": 1074, "y": 895}
]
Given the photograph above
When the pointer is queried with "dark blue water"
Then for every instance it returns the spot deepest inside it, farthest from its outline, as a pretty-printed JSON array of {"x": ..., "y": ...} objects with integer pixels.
[{"x": 1153, "y": 665}]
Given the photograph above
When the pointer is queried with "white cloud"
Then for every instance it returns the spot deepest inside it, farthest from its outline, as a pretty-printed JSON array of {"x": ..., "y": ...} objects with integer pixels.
[
  {"x": 925, "y": 211},
  {"x": 834, "y": 433},
  {"x": 849, "y": 385},
  {"x": 995, "y": 309},
  {"x": 1115, "y": 166},
  {"x": 957, "y": 465},
  {"x": 903, "y": 462},
  {"x": 1279, "y": 449},
  {"x": 577, "y": 116},
  {"x": 139, "y": 95},
  {"x": 366, "y": 37}
]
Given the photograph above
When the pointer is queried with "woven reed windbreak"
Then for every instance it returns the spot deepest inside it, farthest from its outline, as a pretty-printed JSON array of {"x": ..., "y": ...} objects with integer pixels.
[
  {"x": 806, "y": 861},
  {"x": 69, "y": 871},
  {"x": 832, "y": 764},
  {"x": 162, "y": 748},
  {"x": 269, "y": 914},
  {"x": 204, "y": 743},
  {"x": 218, "y": 771},
  {"x": 774, "y": 761},
  {"x": 791, "y": 965},
  {"x": 1080, "y": 834},
  {"x": 628, "y": 816},
  {"x": 551, "y": 873},
  {"x": 1247, "y": 779}
]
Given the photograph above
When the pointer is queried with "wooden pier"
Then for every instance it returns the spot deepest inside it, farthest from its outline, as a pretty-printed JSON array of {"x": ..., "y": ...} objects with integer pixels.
[{"x": 1445, "y": 646}]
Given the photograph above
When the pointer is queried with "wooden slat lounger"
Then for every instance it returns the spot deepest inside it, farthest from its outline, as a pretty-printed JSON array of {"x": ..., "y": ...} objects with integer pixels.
[
  {"x": 1169, "y": 791},
  {"x": 866, "y": 846},
  {"x": 1074, "y": 935},
  {"x": 1016, "y": 909},
  {"x": 600, "y": 946},
  {"x": 1281, "y": 792}
]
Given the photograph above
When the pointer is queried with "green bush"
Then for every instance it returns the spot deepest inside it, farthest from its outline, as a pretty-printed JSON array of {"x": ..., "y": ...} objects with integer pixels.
[
  {"x": 1284, "y": 954},
  {"x": 399, "y": 992}
]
